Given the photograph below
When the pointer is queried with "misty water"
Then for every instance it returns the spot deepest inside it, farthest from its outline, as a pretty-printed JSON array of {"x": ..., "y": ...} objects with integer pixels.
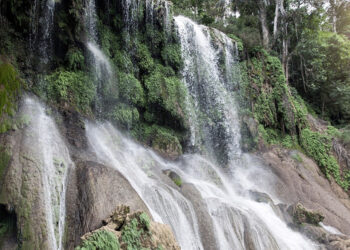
[{"x": 48, "y": 149}]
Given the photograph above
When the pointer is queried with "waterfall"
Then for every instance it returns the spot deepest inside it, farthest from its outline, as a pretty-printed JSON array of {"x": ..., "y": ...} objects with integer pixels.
[
  {"x": 214, "y": 116},
  {"x": 238, "y": 221},
  {"x": 143, "y": 168},
  {"x": 101, "y": 66},
  {"x": 214, "y": 208},
  {"x": 53, "y": 159}
]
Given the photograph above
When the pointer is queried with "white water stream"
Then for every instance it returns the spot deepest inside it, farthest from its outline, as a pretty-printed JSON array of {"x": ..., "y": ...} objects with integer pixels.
[{"x": 52, "y": 155}]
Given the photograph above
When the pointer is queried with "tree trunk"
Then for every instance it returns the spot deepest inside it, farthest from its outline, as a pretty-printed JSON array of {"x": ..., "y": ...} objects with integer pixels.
[
  {"x": 333, "y": 4},
  {"x": 264, "y": 28},
  {"x": 275, "y": 21}
]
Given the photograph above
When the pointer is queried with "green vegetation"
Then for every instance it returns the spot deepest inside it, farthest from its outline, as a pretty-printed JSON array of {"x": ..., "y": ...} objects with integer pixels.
[
  {"x": 171, "y": 55},
  {"x": 5, "y": 158},
  {"x": 133, "y": 232},
  {"x": 274, "y": 105},
  {"x": 178, "y": 182},
  {"x": 166, "y": 92},
  {"x": 75, "y": 59},
  {"x": 130, "y": 90},
  {"x": 318, "y": 146},
  {"x": 301, "y": 215},
  {"x": 10, "y": 85},
  {"x": 100, "y": 240},
  {"x": 160, "y": 138},
  {"x": 74, "y": 88},
  {"x": 125, "y": 115}
]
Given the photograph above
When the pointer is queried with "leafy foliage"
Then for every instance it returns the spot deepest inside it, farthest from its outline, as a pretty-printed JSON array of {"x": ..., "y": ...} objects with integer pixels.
[
  {"x": 125, "y": 115},
  {"x": 274, "y": 105},
  {"x": 167, "y": 92},
  {"x": 74, "y": 88},
  {"x": 327, "y": 57},
  {"x": 318, "y": 146},
  {"x": 75, "y": 59},
  {"x": 130, "y": 90},
  {"x": 160, "y": 138},
  {"x": 100, "y": 240},
  {"x": 134, "y": 230}
]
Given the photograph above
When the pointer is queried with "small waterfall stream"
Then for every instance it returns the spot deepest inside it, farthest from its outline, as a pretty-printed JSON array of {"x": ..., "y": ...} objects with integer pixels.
[
  {"x": 42, "y": 24},
  {"x": 53, "y": 158},
  {"x": 102, "y": 69}
]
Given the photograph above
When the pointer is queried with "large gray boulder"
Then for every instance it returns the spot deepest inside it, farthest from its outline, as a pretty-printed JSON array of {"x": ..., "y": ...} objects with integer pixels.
[{"x": 94, "y": 191}]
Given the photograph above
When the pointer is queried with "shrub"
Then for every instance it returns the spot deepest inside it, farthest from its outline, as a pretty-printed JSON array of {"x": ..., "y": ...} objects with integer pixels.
[
  {"x": 167, "y": 92},
  {"x": 100, "y": 240},
  {"x": 145, "y": 221},
  {"x": 74, "y": 88},
  {"x": 125, "y": 115},
  {"x": 318, "y": 146},
  {"x": 131, "y": 235},
  {"x": 130, "y": 89},
  {"x": 144, "y": 59},
  {"x": 171, "y": 55},
  {"x": 75, "y": 59}
]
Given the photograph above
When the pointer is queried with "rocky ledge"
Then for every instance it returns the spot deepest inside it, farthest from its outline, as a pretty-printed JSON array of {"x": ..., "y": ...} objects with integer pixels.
[{"x": 130, "y": 230}]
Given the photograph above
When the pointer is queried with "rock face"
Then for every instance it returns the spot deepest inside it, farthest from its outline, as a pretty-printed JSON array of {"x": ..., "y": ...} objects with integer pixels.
[
  {"x": 300, "y": 180},
  {"x": 302, "y": 215},
  {"x": 135, "y": 231},
  {"x": 94, "y": 192}
]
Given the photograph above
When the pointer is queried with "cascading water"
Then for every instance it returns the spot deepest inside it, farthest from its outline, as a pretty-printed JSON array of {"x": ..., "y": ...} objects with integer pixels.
[
  {"x": 215, "y": 115},
  {"x": 42, "y": 22},
  {"x": 235, "y": 219},
  {"x": 143, "y": 170},
  {"x": 54, "y": 160},
  {"x": 102, "y": 69}
]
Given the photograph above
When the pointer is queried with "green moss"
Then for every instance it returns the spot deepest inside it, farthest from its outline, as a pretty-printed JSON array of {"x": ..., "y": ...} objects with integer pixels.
[
  {"x": 100, "y": 240},
  {"x": 74, "y": 88},
  {"x": 10, "y": 85},
  {"x": 125, "y": 115},
  {"x": 238, "y": 41},
  {"x": 130, "y": 90},
  {"x": 5, "y": 158},
  {"x": 297, "y": 157},
  {"x": 302, "y": 215},
  {"x": 178, "y": 182}
]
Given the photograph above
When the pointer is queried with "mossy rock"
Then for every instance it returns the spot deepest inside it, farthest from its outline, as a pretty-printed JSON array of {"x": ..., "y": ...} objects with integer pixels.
[
  {"x": 164, "y": 140},
  {"x": 301, "y": 215}
]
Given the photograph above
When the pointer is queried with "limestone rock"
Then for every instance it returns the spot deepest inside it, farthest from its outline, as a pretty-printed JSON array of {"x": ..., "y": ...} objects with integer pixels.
[
  {"x": 146, "y": 234},
  {"x": 303, "y": 182},
  {"x": 94, "y": 191}
]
